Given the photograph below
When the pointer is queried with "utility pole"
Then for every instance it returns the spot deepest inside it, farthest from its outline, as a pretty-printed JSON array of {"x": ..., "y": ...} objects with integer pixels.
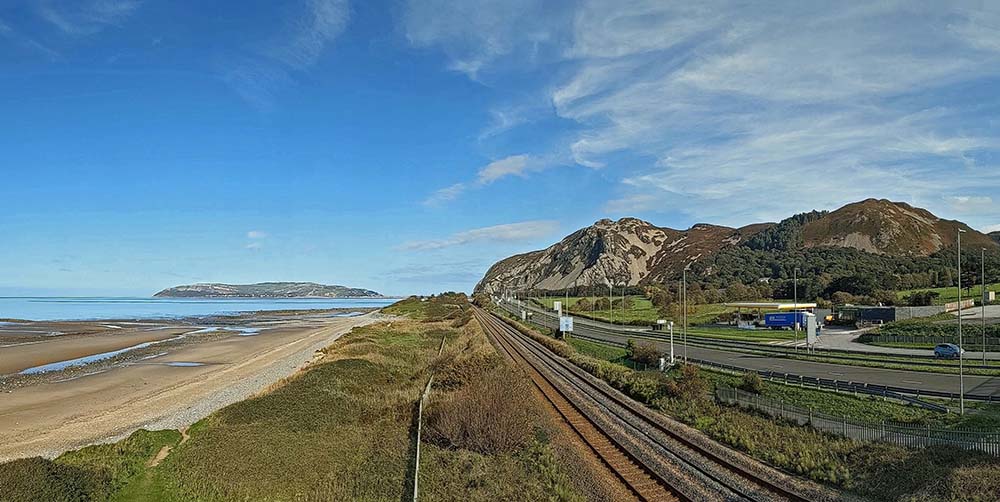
[
  {"x": 795, "y": 311},
  {"x": 961, "y": 372},
  {"x": 611, "y": 308},
  {"x": 623, "y": 304},
  {"x": 685, "y": 282},
  {"x": 982, "y": 301},
  {"x": 671, "y": 342}
]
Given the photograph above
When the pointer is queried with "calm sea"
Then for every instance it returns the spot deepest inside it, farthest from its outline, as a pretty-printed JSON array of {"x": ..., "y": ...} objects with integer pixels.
[{"x": 52, "y": 308}]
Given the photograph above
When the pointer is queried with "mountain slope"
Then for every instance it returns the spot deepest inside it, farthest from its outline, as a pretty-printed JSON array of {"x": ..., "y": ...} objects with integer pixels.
[
  {"x": 628, "y": 251},
  {"x": 634, "y": 252},
  {"x": 265, "y": 290},
  {"x": 884, "y": 227},
  {"x": 995, "y": 235}
]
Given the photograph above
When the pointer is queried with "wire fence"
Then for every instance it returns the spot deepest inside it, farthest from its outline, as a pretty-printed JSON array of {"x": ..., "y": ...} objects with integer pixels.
[
  {"x": 908, "y": 435},
  {"x": 420, "y": 421}
]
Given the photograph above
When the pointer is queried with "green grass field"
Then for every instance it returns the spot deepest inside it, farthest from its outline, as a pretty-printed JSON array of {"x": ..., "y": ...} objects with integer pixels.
[
  {"x": 642, "y": 312},
  {"x": 946, "y": 295}
]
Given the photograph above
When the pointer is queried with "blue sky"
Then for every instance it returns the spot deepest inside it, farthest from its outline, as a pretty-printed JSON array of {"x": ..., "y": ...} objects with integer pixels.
[{"x": 404, "y": 146}]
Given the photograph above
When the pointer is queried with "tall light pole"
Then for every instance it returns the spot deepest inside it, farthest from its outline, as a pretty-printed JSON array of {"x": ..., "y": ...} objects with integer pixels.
[
  {"x": 671, "y": 342},
  {"x": 623, "y": 304},
  {"x": 795, "y": 311},
  {"x": 566, "y": 305},
  {"x": 982, "y": 301},
  {"x": 611, "y": 307},
  {"x": 961, "y": 372},
  {"x": 685, "y": 282}
]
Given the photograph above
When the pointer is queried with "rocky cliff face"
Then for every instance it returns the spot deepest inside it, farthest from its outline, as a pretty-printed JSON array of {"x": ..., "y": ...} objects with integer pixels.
[
  {"x": 266, "y": 290},
  {"x": 634, "y": 252},
  {"x": 628, "y": 251}
]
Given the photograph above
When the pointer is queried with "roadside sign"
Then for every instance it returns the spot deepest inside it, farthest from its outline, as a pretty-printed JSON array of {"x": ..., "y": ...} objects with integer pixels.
[
  {"x": 810, "y": 330},
  {"x": 566, "y": 324},
  {"x": 557, "y": 306}
]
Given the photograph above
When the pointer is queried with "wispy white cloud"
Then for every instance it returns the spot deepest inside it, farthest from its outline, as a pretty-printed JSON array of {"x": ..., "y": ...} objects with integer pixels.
[
  {"x": 477, "y": 34},
  {"x": 788, "y": 105},
  {"x": 256, "y": 76},
  {"x": 966, "y": 204},
  {"x": 81, "y": 18},
  {"x": 633, "y": 203},
  {"x": 256, "y": 239},
  {"x": 514, "y": 165},
  {"x": 8, "y": 32},
  {"x": 992, "y": 228},
  {"x": 511, "y": 232},
  {"x": 503, "y": 120},
  {"x": 321, "y": 24},
  {"x": 451, "y": 273},
  {"x": 445, "y": 194}
]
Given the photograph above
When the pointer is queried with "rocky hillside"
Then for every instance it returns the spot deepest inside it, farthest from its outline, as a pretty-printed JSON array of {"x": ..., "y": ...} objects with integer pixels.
[
  {"x": 884, "y": 227},
  {"x": 628, "y": 251},
  {"x": 265, "y": 290},
  {"x": 634, "y": 252}
]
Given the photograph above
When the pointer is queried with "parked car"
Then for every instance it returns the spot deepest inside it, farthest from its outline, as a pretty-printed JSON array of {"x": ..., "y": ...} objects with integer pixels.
[{"x": 947, "y": 351}]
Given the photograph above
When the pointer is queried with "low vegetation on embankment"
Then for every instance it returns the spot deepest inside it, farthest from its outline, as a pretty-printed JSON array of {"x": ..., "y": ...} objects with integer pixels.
[
  {"x": 874, "y": 470},
  {"x": 342, "y": 430}
]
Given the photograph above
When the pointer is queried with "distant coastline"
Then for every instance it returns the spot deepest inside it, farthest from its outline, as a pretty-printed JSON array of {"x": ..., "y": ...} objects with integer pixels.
[
  {"x": 21, "y": 309},
  {"x": 269, "y": 290}
]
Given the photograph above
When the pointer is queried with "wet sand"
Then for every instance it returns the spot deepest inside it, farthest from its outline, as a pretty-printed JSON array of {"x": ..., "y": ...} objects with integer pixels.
[
  {"x": 29, "y": 351},
  {"x": 50, "y": 417}
]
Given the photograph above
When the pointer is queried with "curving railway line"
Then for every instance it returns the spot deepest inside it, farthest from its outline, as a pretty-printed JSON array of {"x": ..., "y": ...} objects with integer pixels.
[{"x": 654, "y": 456}]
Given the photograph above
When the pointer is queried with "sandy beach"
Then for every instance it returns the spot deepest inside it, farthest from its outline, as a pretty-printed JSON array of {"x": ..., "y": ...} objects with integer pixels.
[
  {"x": 19, "y": 355},
  {"x": 184, "y": 381}
]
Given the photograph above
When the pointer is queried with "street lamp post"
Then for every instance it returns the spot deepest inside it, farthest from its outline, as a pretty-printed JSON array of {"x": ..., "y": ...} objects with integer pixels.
[
  {"x": 685, "y": 315},
  {"x": 961, "y": 349},
  {"x": 611, "y": 308},
  {"x": 671, "y": 342},
  {"x": 982, "y": 301},
  {"x": 623, "y": 304},
  {"x": 795, "y": 311}
]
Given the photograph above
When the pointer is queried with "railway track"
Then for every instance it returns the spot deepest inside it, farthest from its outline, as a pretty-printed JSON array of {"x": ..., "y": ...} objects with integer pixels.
[{"x": 657, "y": 458}]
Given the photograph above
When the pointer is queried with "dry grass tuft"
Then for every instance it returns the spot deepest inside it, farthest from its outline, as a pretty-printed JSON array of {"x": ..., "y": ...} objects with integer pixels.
[{"x": 487, "y": 415}]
